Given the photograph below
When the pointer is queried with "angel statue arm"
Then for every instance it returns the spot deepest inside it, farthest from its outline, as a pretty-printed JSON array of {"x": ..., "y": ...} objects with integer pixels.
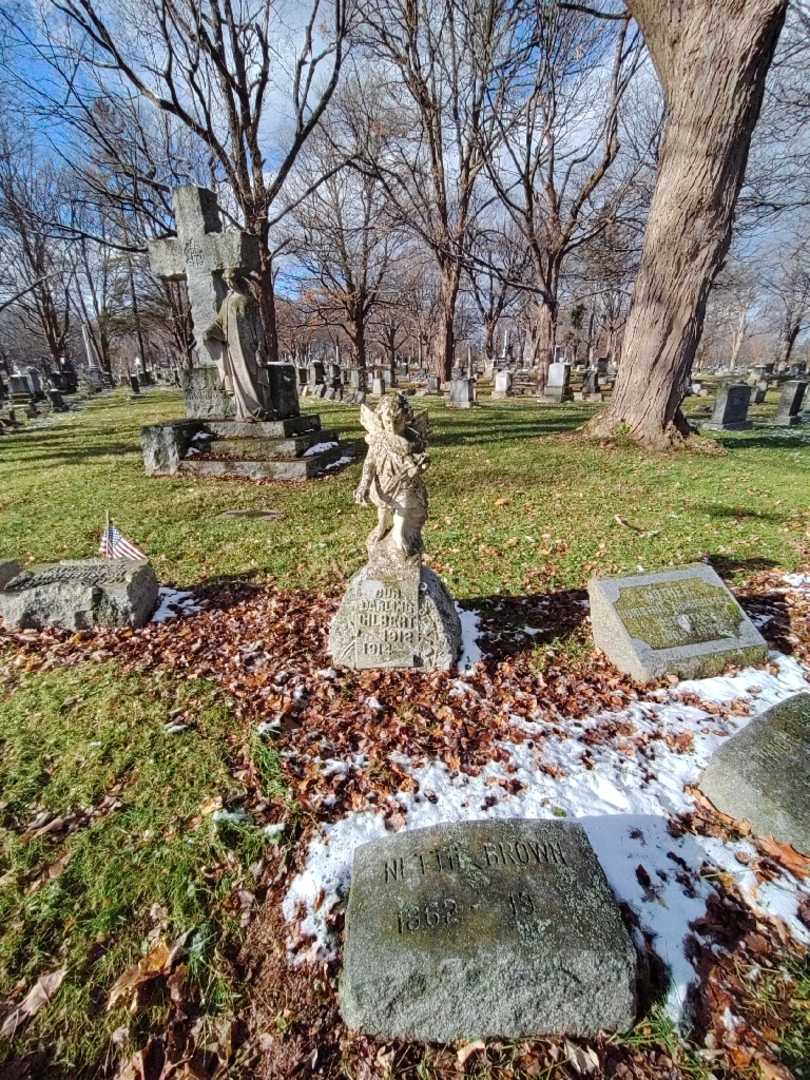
[{"x": 361, "y": 494}]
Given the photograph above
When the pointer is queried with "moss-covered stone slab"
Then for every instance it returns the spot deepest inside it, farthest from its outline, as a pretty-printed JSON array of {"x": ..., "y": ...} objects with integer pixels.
[
  {"x": 677, "y": 622},
  {"x": 762, "y": 774},
  {"x": 485, "y": 929}
]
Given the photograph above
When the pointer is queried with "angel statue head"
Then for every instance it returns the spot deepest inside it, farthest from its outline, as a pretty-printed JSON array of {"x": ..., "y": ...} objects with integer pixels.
[{"x": 392, "y": 474}]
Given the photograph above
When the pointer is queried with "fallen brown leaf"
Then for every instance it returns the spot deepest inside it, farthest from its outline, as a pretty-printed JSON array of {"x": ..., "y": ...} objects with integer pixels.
[{"x": 37, "y": 998}]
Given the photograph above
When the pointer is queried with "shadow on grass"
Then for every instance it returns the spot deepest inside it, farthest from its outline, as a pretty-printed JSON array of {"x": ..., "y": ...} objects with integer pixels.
[
  {"x": 513, "y": 625},
  {"x": 715, "y": 510},
  {"x": 764, "y": 441}
]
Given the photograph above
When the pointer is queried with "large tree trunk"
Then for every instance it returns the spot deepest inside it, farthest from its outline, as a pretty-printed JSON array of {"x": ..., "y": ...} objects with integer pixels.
[
  {"x": 712, "y": 57},
  {"x": 446, "y": 337},
  {"x": 545, "y": 341}
]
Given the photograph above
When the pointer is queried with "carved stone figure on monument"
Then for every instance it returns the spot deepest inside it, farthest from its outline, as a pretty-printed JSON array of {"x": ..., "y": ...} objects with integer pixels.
[
  {"x": 238, "y": 330},
  {"x": 396, "y": 613},
  {"x": 392, "y": 473}
]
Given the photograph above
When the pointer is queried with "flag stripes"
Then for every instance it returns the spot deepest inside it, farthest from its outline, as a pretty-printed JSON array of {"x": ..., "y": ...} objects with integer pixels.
[{"x": 114, "y": 545}]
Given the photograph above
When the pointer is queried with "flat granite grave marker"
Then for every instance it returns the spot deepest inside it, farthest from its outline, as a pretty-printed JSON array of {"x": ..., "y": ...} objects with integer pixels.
[
  {"x": 485, "y": 929},
  {"x": 677, "y": 622},
  {"x": 762, "y": 774}
]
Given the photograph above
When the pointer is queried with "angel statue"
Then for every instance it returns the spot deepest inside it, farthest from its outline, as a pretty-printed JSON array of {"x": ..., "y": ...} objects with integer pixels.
[{"x": 392, "y": 474}]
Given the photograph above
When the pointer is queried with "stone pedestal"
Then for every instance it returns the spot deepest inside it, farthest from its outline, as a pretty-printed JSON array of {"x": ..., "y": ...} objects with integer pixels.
[
  {"x": 206, "y": 397},
  {"x": 293, "y": 449},
  {"x": 731, "y": 409},
  {"x": 396, "y": 614}
]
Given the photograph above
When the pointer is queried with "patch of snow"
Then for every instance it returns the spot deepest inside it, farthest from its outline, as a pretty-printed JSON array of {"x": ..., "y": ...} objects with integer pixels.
[
  {"x": 470, "y": 633},
  {"x": 319, "y": 448},
  {"x": 229, "y": 817},
  {"x": 624, "y": 803},
  {"x": 797, "y": 581},
  {"x": 174, "y": 602},
  {"x": 268, "y": 727},
  {"x": 374, "y": 704},
  {"x": 347, "y": 459}
]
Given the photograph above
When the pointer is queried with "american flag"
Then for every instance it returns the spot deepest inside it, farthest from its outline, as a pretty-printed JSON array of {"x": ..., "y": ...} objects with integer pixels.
[{"x": 114, "y": 545}]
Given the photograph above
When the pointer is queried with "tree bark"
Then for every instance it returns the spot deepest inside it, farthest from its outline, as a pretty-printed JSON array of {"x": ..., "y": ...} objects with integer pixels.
[
  {"x": 446, "y": 339},
  {"x": 545, "y": 341},
  {"x": 712, "y": 57}
]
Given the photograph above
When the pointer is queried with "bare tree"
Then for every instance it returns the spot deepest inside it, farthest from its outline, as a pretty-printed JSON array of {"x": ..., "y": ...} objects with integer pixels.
[
  {"x": 437, "y": 116},
  {"x": 499, "y": 261},
  {"x": 559, "y": 137},
  {"x": 343, "y": 236},
  {"x": 40, "y": 269},
  {"x": 708, "y": 131},
  {"x": 212, "y": 66}
]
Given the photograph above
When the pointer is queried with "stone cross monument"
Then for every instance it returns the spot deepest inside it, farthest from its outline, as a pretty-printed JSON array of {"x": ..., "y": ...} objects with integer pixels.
[{"x": 199, "y": 253}]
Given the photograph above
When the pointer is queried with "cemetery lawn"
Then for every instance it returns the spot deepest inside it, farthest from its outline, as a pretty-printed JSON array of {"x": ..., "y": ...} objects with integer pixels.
[
  {"x": 159, "y": 788},
  {"x": 114, "y": 843},
  {"x": 514, "y": 504}
]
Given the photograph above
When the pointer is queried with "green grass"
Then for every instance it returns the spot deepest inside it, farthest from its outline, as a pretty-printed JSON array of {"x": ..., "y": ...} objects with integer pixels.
[
  {"x": 512, "y": 503},
  {"x": 152, "y": 863}
]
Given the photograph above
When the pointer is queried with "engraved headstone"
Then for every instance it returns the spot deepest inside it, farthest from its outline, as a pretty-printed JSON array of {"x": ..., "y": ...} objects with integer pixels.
[
  {"x": 485, "y": 929},
  {"x": 677, "y": 622},
  {"x": 396, "y": 612},
  {"x": 80, "y": 594},
  {"x": 762, "y": 774},
  {"x": 377, "y": 384},
  {"x": 731, "y": 409},
  {"x": 790, "y": 403}
]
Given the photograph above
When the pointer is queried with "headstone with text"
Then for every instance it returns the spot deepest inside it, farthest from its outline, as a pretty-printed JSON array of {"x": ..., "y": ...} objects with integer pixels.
[
  {"x": 80, "y": 594},
  {"x": 762, "y": 774},
  {"x": 681, "y": 622},
  {"x": 503, "y": 929}
]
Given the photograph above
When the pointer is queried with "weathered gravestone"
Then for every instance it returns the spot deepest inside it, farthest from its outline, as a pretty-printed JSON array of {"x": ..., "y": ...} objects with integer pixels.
[
  {"x": 78, "y": 594},
  {"x": 762, "y": 774},
  {"x": 396, "y": 612},
  {"x": 462, "y": 393},
  {"x": 503, "y": 384},
  {"x": 485, "y": 929},
  {"x": 731, "y": 409},
  {"x": 557, "y": 388},
  {"x": 791, "y": 397},
  {"x": 677, "y": 622}
]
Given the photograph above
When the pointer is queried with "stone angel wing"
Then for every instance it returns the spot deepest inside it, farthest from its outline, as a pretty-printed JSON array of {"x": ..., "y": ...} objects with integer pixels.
[{"x": 370, "y": 421}]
